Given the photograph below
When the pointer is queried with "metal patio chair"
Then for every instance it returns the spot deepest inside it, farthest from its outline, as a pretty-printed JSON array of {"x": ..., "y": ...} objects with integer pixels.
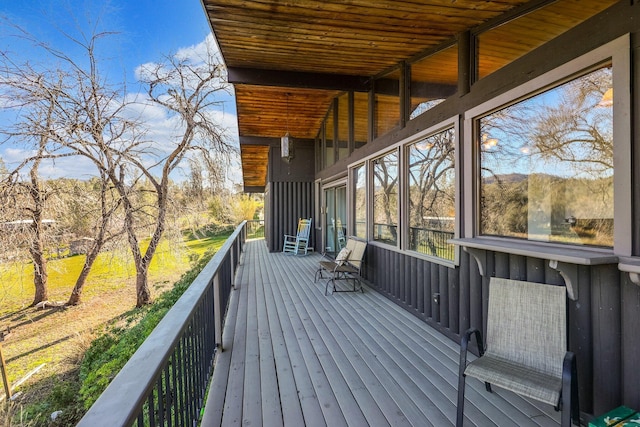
[
  {"x": 298, "y": 244},
  {"x": 526, "y": 347}
]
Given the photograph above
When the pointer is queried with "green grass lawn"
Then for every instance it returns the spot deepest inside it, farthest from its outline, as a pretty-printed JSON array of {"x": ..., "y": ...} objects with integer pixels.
[
  {"x": 57, "y": 338},
  {"x": 111, "y": 271}
]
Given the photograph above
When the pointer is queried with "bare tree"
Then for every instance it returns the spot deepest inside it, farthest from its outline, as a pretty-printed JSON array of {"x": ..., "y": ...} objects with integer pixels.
[
  {"x": 22, "y": 86},
  {"x": 105, "y": 232},
  {"x": 97, "y": 120},
  {"x": 58, "y": 108},
  {"x": 188, "y": 90}
]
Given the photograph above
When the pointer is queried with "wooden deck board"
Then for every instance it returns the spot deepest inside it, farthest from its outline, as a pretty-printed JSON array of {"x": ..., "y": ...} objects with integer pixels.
[
  {"x": 271, "y": 403},
  {"x": 295, "y": 357},
  {"x": 291, "y": 408},
  {"x": 359, "y": 405}
]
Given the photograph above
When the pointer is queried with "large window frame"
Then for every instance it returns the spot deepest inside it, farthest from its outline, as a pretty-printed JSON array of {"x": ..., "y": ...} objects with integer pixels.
[
  {"x": 618, "y": 53},
  {"x": 401, "y": 148},
  {"x": 453, "y": 125},
  {"x": 352, "y": 195},
  {"x": 380, "y": 232}
]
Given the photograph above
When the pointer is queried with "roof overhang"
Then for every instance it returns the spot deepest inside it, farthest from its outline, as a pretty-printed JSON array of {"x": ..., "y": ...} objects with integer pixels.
[{"x": 288, "y": 60}]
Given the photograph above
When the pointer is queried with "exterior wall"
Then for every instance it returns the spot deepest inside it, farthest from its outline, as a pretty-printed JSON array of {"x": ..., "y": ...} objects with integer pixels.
[
  {"x": 289, "y": 194},
  {"x": 604, "y": 323},
  {"x": 288, "y": 201}
]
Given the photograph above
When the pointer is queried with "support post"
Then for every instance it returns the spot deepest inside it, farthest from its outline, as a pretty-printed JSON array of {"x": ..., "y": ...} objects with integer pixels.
[
  {"x": 217, "y": 315},
  {"x": 5, "y": 378}
]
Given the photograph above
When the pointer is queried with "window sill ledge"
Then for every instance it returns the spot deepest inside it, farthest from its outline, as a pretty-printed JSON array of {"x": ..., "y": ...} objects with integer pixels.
[
  {"x": 563, "y": 259},
  {"x": 568, "y": 254}
]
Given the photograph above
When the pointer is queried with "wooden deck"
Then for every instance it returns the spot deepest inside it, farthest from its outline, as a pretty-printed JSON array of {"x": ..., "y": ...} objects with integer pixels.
[{"x": 294, "y": 357}]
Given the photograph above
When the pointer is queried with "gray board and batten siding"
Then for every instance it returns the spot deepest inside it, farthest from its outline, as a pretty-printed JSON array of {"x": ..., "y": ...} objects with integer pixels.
[{"x": 289, "y": 193}]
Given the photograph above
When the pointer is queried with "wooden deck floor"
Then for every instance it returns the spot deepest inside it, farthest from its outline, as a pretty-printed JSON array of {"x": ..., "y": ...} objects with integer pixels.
[{"x": 295, "y": 357}]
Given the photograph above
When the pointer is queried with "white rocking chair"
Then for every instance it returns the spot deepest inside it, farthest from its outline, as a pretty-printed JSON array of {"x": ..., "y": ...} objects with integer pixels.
[{"x": 298, "y": 244}]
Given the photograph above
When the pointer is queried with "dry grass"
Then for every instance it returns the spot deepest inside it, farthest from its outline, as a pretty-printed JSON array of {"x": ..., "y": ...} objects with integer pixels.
[{"x": 58, "y": 337}]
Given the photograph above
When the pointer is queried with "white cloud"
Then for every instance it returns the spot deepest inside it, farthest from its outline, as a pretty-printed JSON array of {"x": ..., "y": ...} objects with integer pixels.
[
  {"x": 13, "y": 156},
  {"x": 68, "y": 167},
  {"x": 198, "y": 53},
  {"x": 162, "y": 128},
  {"x": 64, "y": 167}
]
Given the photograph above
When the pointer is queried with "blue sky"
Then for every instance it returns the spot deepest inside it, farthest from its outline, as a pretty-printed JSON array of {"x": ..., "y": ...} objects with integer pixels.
[{"x": 146, "y": 30}]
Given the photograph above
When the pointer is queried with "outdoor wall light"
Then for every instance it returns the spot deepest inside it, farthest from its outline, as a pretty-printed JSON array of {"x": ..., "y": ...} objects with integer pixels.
[
  {"x": 286, "y": 142},
  {"x": 286, "y": 147}
]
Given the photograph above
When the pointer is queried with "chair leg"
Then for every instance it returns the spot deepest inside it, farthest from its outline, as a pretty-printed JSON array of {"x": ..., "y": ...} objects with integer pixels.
[
  {"x": 461, "y": 386},
  {"x": 570, "y": 403},
  {"x": 462, "y": 365}
]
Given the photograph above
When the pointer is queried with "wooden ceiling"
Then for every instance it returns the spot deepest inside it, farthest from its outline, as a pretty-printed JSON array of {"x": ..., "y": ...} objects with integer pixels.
[{"x": 289, "y": 58}]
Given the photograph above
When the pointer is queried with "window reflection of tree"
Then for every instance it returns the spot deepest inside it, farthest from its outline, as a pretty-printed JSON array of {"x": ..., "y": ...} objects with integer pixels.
[
  {"x": 431, "y": 189},
  {"x": 563, "y": 140},
  {"x": 385, "y": 172},
  {"x": 360, "y": 201},
  {"x": 432, "y": 194}
]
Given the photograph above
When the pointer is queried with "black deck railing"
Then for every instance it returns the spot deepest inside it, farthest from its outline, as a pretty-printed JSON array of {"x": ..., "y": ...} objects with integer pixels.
[
  {"x": 165, "y": 381},
  {"x": 387, "y": 233},
  {"x": 255, "y": 229},
  {"x": 432, "y": 242}
]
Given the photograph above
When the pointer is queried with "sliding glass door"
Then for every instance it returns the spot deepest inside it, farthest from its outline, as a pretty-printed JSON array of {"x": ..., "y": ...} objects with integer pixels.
[{"x": 335, "y": 235}]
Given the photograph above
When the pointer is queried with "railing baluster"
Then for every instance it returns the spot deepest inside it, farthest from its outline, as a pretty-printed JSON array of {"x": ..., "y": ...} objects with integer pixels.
[
  {"x": 174, "y": 391},
  {"x": 169, "y": 403},
  {"x": 186, "y": 349},
  {"x": 151, "y": 410},
  {"x": 160, "y": 406},
  {"x": 165, "y": 381},
  {"x": 217, "y": 311},
  {"x": 180, "y": 367}
]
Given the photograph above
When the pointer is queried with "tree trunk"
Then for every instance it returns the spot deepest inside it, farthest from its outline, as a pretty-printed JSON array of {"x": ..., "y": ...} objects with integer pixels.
[
  {"x": 36, "y": 247},
  {"x": 76, "y": 293},
  {"x": 39, "y": 273},
  {"x": 143, "y": 293}
]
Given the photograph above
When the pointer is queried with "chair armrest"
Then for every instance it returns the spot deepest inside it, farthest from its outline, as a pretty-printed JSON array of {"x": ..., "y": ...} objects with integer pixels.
[{"x": 464, "y": 342}]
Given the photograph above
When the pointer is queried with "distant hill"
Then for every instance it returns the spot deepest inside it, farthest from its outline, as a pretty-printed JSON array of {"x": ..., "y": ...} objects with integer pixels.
[
  {"x": 516, "y": 177},
  {"x": 512, "y": 177}
]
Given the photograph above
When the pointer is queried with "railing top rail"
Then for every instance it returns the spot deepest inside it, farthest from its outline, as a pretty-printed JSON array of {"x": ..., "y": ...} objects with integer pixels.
[{"x": 119, "y": 404}]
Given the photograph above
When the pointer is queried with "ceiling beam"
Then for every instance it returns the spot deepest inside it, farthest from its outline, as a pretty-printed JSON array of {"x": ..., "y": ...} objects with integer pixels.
[
  {"x": 259, "y": 140},
  {"x": 254, "y": 189},
  {"x": 270, "y": 141},
  {"x": 280, "y": 78}
]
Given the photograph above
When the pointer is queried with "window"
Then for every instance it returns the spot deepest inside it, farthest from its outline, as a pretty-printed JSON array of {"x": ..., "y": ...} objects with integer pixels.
[
  {"x": 555, "y": 18},
  {"x": 385, "y": 198},
  {"x": 433, "y": 79},
  {"x": 387, "y": 102},
  {"x": 432, "y": 194},
  {"x": 546, "y": 165},
  {"x": 343, "y": 126},
  {"x": 329, "y": 133},
  {"x": 359, "y": 180}
]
